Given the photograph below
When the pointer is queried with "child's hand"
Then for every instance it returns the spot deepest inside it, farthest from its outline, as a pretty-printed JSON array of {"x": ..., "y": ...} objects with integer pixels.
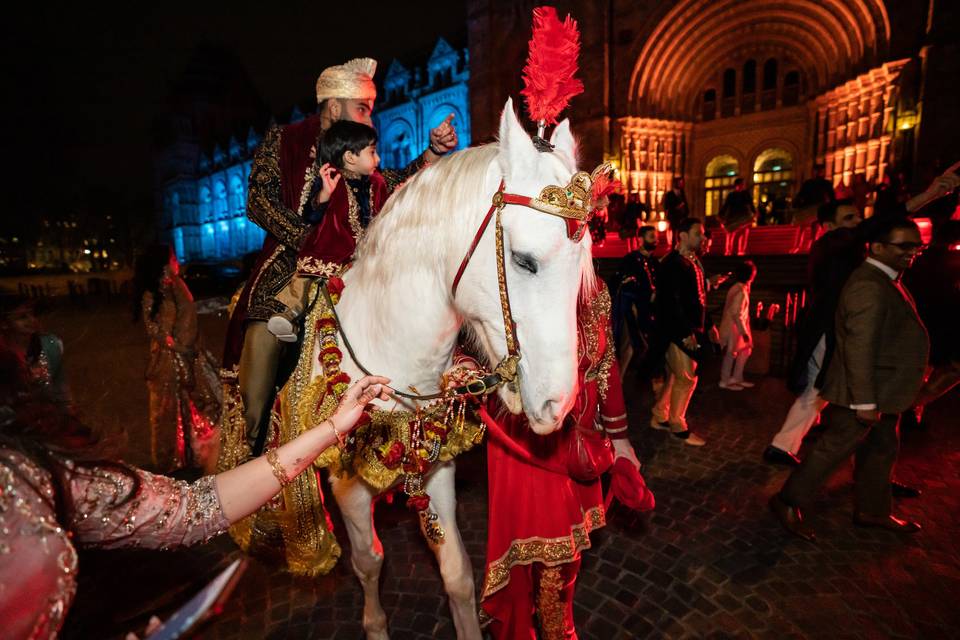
[{"x": 330, "y": 178}]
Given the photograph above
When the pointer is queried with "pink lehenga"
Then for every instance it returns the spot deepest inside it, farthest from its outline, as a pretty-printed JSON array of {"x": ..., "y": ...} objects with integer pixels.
[
  {"x": 185, "y": 392},
  {"x": 38, "y": 557}
]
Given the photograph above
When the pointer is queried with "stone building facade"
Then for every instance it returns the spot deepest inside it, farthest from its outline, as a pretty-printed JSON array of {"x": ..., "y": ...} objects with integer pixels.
[{"x": 711, "y": 90}]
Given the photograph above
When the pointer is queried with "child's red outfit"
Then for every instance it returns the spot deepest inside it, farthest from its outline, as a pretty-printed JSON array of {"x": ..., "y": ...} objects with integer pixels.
[{"x": 338, "y": 226}]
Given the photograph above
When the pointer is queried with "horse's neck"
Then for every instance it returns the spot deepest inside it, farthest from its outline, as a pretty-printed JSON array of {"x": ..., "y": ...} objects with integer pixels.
[{"x": 406, "y": 332}]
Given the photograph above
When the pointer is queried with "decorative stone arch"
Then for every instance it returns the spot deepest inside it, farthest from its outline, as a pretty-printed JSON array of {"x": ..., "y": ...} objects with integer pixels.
[{"x": 831, "y": 40}]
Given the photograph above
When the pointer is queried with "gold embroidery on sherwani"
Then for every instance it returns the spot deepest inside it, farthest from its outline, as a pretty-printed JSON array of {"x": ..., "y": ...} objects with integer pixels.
[
  {"x": 265, "y": 200},
  {"x": 547, "y": 551},
  {"x": 550, "y": 609}
]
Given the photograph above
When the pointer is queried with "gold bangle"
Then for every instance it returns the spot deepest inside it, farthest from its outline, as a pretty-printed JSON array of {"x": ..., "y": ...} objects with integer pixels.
[
  {"x": 278, "y": 471},
  {"x": 341, "y": 437}
]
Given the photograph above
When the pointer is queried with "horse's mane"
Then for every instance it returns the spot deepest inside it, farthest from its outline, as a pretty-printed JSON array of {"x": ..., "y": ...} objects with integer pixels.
[{"x": 455, "y": 191}]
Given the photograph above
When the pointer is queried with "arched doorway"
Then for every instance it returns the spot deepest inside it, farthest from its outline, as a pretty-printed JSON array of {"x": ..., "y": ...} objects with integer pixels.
[
  {"x": 773, "y": 181},
  {"x": 718, "y": 178}
]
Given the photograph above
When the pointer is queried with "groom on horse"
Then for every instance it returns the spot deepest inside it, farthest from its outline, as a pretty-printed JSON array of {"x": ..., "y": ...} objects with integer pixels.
[{"x": 281, "y": 182}]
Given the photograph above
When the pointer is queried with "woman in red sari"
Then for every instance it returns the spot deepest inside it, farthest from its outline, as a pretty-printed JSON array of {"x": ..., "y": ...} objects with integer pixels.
[{"x": 540, "y": 518}]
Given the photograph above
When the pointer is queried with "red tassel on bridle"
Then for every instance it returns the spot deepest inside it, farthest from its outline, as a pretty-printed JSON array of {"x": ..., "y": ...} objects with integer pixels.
[{"x": 548, "y": 76}]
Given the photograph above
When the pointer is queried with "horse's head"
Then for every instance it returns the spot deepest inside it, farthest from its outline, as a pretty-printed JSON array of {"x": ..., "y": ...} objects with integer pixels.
[{"x": 545, "y": 270}]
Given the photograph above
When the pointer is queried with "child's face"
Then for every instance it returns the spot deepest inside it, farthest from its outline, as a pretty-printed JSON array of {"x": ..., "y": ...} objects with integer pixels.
[{"x": 364, "y": 163}]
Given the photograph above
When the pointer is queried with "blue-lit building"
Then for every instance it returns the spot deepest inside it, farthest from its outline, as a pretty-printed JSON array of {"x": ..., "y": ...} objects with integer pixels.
[
  {"x": 205, "y": 213},
  {"x": 415, "y": 100},
  {"x": 202, "y": 179}
]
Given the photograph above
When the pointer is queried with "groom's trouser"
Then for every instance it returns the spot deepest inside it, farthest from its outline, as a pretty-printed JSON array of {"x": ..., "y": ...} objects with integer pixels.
[{"x": 257, "y": 378}]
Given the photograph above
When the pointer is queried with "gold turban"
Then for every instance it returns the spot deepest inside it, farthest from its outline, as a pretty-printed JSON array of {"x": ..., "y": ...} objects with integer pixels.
[{"x": 352, "y": 80}]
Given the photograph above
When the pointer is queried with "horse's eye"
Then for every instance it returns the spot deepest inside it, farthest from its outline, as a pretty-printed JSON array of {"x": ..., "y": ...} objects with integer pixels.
[{"x": 525, "y": 261}]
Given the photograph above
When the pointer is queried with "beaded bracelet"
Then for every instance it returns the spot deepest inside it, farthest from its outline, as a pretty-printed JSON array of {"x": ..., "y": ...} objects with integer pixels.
[{"x": 278, "y": 471}]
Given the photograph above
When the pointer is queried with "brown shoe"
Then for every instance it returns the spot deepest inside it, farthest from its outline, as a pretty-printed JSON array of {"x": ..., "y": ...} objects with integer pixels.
[
  {"x": 791, "y": 518},
  {"x": 890, "y": 523}
]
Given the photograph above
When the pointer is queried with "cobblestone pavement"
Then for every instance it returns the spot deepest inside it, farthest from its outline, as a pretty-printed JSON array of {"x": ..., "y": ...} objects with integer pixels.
[{"x": 709, "y": 562}]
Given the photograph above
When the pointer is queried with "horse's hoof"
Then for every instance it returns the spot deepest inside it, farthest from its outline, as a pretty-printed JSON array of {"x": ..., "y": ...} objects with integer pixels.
[{"x": 377, "y": 634}]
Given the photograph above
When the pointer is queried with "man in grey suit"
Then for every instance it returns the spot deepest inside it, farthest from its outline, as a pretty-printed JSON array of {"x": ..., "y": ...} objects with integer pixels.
[{"x": 875, "y": 374}]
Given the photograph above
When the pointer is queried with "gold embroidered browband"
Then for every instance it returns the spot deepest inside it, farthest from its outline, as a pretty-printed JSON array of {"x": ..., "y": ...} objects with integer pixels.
[{"x": 575, "y": 202}]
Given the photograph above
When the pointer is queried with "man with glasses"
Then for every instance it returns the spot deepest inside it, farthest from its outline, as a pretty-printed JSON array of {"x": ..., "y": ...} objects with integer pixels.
[{"x": 876, "y": 373}]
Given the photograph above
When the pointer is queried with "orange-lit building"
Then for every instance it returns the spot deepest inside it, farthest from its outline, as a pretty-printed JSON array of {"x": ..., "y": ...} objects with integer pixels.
[{"x": 761, "y": 89}]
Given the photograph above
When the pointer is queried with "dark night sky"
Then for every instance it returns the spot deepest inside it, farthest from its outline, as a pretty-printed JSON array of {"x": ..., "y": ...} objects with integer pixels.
[{"x": 84, "y": 84}]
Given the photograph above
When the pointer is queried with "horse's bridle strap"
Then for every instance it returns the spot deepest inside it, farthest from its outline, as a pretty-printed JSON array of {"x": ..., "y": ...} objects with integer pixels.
[{"x": 497, "y": 202}]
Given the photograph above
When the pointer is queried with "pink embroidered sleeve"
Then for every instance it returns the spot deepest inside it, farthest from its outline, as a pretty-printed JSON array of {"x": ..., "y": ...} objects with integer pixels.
[{"x": 164, "y": 512}]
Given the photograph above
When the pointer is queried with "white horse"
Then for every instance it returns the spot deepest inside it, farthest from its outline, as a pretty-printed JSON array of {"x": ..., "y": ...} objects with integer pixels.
[{"x": 398, "y": 311}]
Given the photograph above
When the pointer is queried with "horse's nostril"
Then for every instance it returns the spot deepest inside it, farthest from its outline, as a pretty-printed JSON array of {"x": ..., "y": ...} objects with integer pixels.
[{"x": 550, "y": 412}]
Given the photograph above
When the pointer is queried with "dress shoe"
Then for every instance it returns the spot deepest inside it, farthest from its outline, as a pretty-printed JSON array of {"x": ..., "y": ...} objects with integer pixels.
[
  {"x": 790, "y": 518},
  {"x": 776, "y": 455},
  {"x": 730, "y": 386},
  {"x": 900, "y": 490},
  {"x": 688, "y": 437},
  {"x": 890, "y": 523}
]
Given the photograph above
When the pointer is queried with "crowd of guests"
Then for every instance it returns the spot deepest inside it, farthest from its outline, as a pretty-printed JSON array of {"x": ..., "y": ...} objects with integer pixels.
[
  {"x": 739, "y": 211},
  {"x": 862, "y": 357}
]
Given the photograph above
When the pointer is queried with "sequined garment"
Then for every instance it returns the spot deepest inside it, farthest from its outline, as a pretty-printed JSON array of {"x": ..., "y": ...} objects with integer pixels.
[
  {"x": 181, "y": 377},
  {"x": 38, "y": 560}
]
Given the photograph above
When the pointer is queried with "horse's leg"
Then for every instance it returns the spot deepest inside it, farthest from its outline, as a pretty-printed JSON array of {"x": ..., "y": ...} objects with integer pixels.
[
  {"x": 355, "y": 499},
  {"x": 455, "y": 567}
]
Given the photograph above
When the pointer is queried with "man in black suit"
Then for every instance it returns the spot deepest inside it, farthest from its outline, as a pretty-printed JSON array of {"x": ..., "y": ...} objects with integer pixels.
[
  {"x": 875, "y": 374},
  {"x": 681, "y": 321}
]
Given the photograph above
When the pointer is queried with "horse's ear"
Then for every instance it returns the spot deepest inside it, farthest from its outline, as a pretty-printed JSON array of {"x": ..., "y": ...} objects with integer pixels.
[
  {"x": 564, "y": 143},
  {"x": 562, "y": 140},
  {"x": 517, "y": 156}
]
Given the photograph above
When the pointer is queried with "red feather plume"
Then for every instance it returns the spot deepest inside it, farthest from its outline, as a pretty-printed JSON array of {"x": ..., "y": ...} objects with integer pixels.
[{"x": 548, "y": 76}]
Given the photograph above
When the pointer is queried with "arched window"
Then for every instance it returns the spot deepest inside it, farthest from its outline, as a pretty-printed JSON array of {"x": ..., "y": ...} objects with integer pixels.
[
  {"x": 748, "y": 98},
  {"x": 768, "y": 99},
  {"x": 791, "y": 88},
  {"x": 235, "y": 197},
  {"x": 718, "y": 179},
  {"x": 772, "y": 180},
  {"x": 709, "y": 104},
  {"x": 206, "y": 212},
  {"x": 219, "y": 200},
  {"x": 729, "y": 93}
]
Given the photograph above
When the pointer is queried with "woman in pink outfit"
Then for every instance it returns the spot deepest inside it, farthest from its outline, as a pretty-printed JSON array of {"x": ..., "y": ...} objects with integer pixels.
[
  {"x": 54, "y": 497},
  {"x": 735, "y": 335}
]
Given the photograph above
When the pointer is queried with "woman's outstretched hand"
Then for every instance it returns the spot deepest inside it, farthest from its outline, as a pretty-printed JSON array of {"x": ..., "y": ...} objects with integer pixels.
[{"x": 357, "y": 397}]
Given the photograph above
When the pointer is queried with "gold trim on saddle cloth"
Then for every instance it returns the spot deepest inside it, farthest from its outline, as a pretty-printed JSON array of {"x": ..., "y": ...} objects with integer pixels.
[
  {"x": 294, "y": 521},
  {"x": 547, "y": 551},
  {"x": 309, "y": 542}
]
